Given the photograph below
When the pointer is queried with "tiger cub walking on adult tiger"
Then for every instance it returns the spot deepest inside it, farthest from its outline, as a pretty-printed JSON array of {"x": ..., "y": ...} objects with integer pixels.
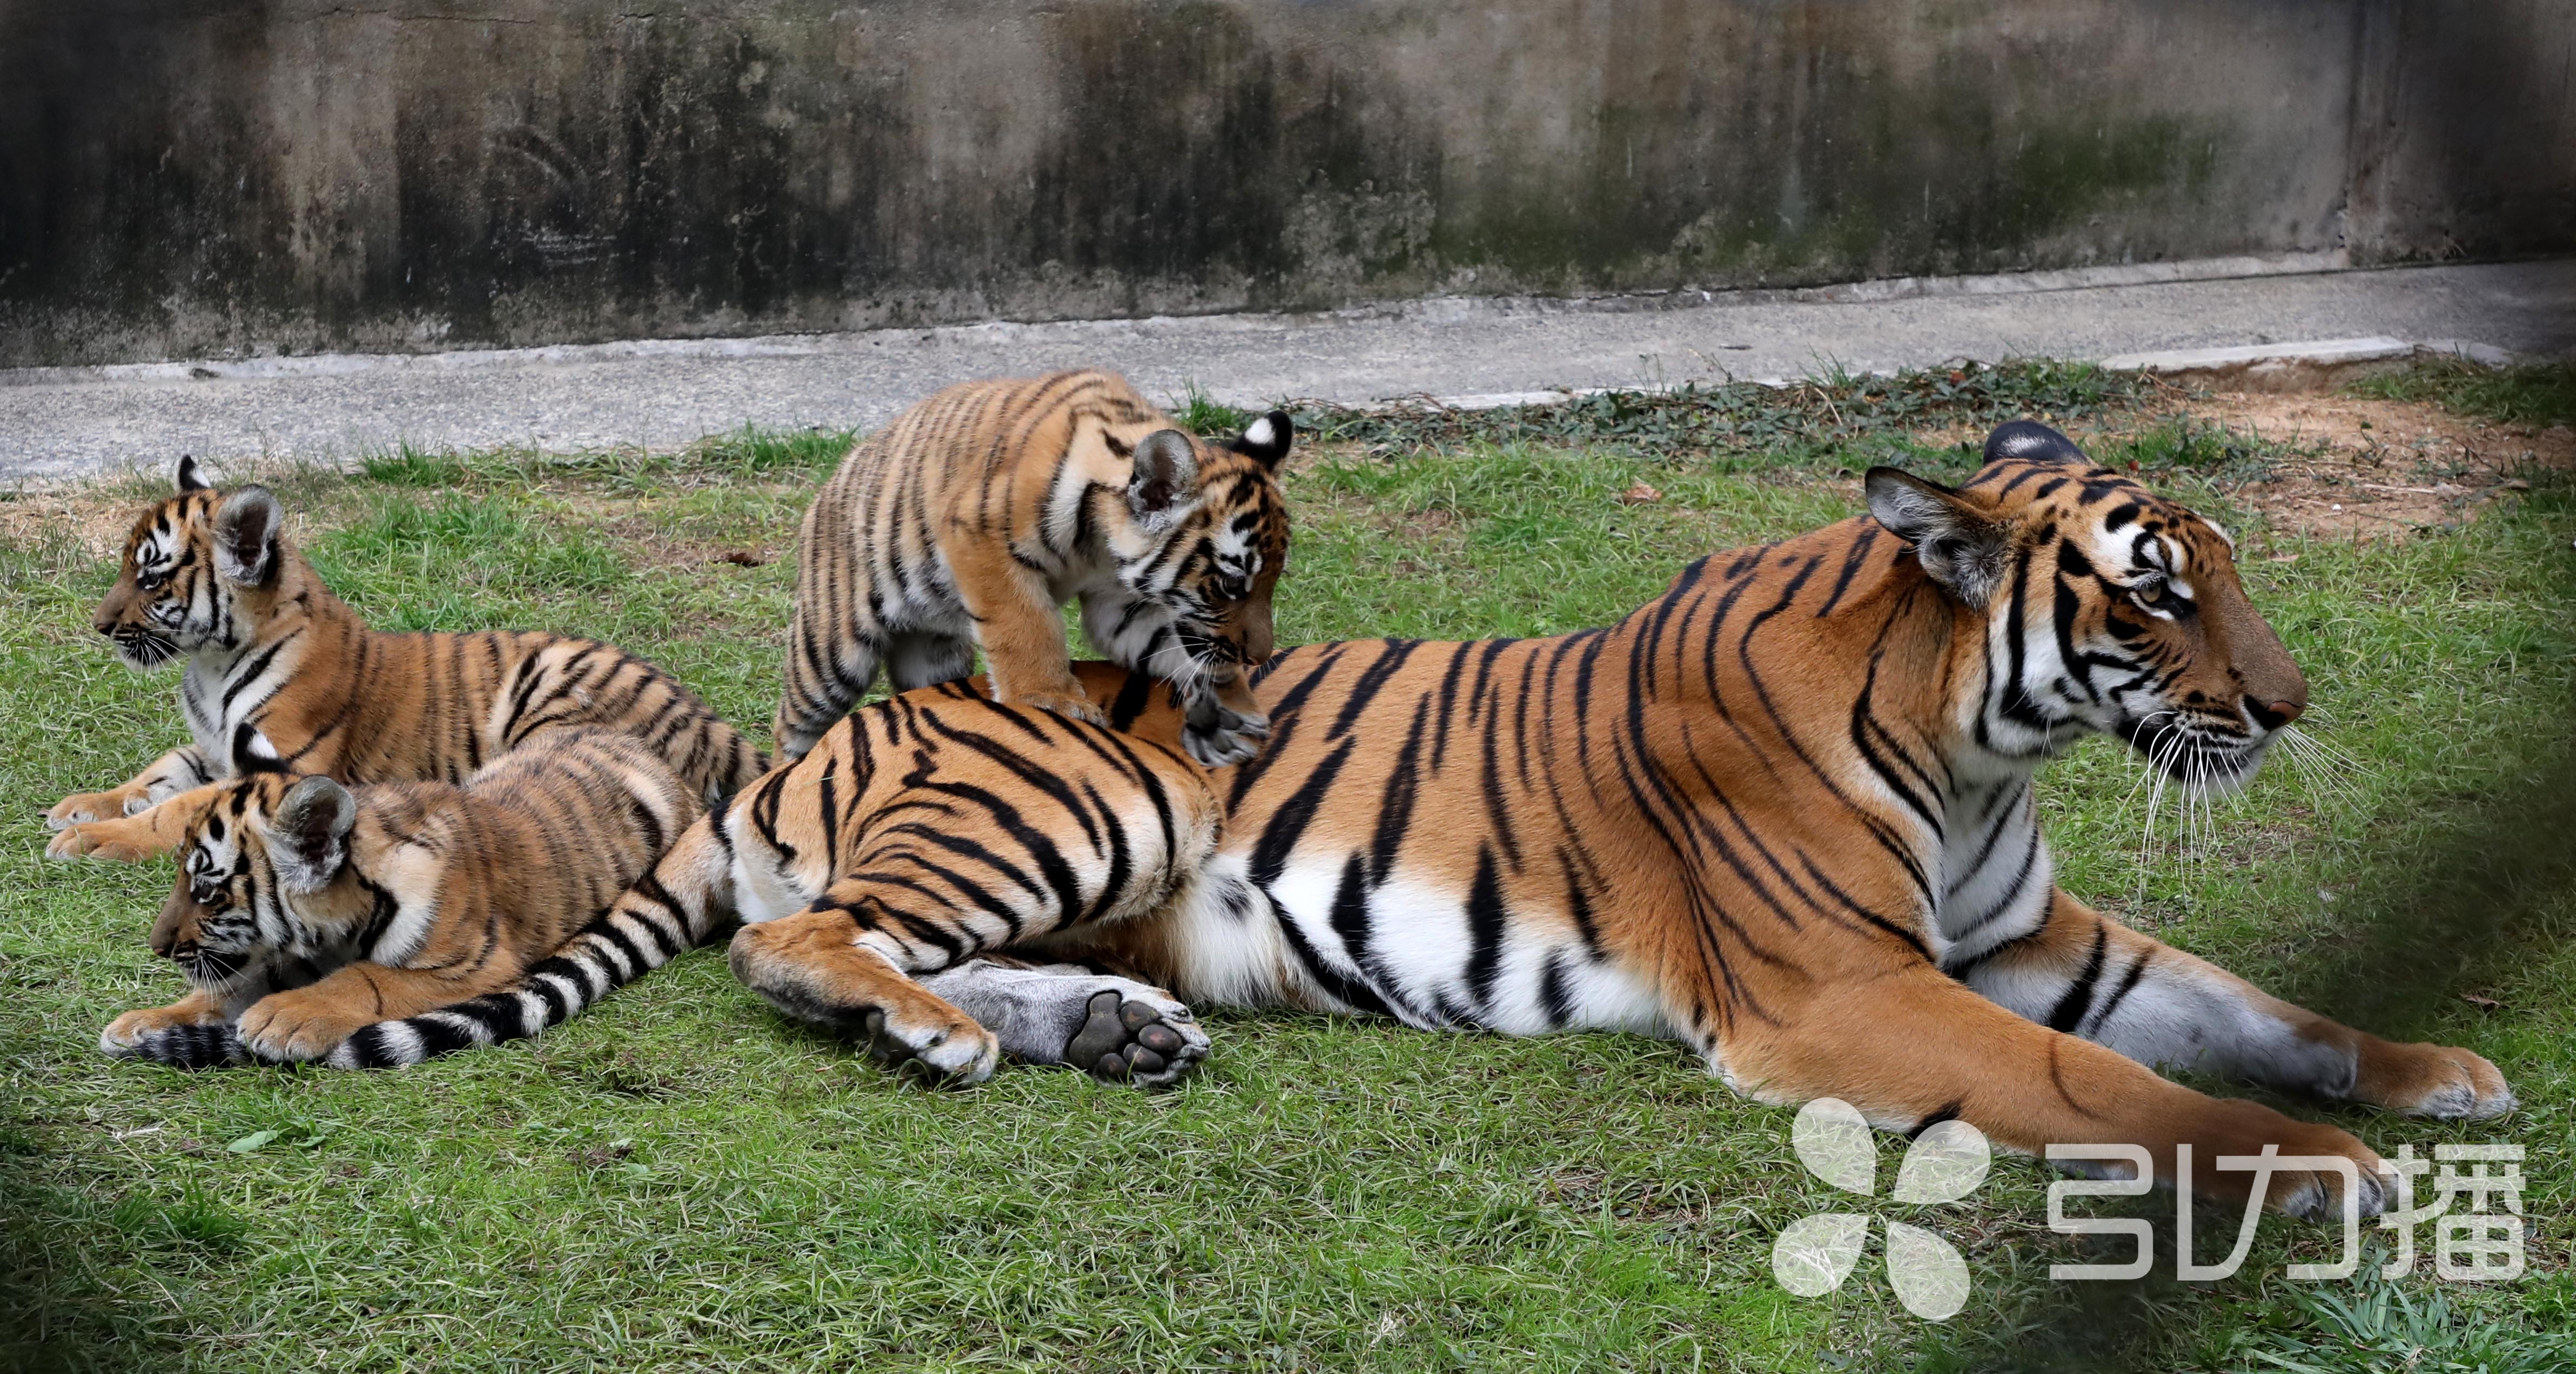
[
  {"x": 284, "y": 677},
  {"x": 967, "y": 522},
  {"x": 367, "y": 926}
]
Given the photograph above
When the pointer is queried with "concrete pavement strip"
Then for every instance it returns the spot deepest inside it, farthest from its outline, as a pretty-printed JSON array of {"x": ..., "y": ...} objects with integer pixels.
[{"x": 2267, "y": 320}]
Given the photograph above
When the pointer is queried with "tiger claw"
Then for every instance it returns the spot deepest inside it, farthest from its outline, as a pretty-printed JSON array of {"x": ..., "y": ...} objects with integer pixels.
[{"x": 1228, "y": 738}]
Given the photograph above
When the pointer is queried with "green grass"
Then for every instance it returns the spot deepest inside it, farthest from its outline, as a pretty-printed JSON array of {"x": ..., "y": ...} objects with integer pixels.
[
  {"x": 1800, "y": 424},
  {"x": 682, "y": 1180},
  {"x": 2538, "y": 394}
]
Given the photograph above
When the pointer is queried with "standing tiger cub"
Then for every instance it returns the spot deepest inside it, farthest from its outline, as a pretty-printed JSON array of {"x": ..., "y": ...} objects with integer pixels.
[
  {"x": 285, "y": 677},
  {"x": 360, "y": 926},
  {"x": 978, "y": 512}
]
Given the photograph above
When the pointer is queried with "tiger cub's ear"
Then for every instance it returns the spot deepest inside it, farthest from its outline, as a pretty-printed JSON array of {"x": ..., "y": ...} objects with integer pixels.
[
  {"x": 1266, "y": 440},
  {"x": 246, "y": 535},
  {"x": 1166, "y": 469},
  {"x": 1959, "y": 542},
  {"x": 308, "y": 836},
  {"x": 187, "y": 477}
]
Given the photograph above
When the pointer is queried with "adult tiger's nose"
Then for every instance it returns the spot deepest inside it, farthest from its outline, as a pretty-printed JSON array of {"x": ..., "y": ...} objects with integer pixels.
[{"x": 103, "y": 622}]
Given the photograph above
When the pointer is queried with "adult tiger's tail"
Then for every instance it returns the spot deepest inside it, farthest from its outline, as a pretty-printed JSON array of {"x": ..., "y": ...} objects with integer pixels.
[{"x": 673, "y": 908}]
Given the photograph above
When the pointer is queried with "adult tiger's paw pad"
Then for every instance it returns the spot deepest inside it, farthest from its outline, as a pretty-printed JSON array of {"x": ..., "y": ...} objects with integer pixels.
[{"x": 1146, "y": 1039}]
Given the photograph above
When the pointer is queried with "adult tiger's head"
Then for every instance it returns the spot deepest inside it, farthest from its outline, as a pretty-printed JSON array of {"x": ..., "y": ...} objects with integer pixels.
[
  {"x": 1209, "y": 536},
  {"x": 260, "y": 876},
  {"x": 2107, "y": 608},
  {"x": 200, "y": 571}
]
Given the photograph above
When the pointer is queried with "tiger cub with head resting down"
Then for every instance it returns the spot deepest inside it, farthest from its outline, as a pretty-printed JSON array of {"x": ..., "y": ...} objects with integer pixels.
[
  {"x": 967, "y": 522},
  {"x": 284, "y": 677},
  {"x": 360, "y": 926}
]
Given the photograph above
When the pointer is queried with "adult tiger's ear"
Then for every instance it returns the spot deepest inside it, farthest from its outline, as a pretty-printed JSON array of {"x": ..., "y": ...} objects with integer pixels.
[
  {"x": 1959, "y": 542},
  {"x": 2031, "y": 442},
  {"x": 308, "y": 836},
  {"x": 1266, "y": 440},
  {"x": 1167, "y": 467},
  {"x": 188, "y": 477},
  {"x": 246, "y": 527}
]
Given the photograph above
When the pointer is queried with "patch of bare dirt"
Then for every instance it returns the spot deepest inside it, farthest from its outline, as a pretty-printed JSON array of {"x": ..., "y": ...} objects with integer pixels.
[
  {"x": 2374, "y": 469},
  {"x": 97, "y": 524},
  {"x": 2353, "y": 468}
]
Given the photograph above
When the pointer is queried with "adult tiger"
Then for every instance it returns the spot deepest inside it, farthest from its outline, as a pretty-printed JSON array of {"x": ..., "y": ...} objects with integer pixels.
[
  {"x": 285, "y": 677},
  {"x": 968, "y": 521},
  {"x": 1782, "y": 813}
]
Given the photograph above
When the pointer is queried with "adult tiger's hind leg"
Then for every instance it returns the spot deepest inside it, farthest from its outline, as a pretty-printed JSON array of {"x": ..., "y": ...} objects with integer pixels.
[
  {"x": 839, "y": 963},
  {"x": 2084, "y": 974},
  {"x": 1116, "y": 1029},
  {"x": 847, "y": 962}
]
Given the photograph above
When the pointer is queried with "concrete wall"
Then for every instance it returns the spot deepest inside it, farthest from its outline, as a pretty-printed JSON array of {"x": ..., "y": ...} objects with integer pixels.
[{"x": 233, "y": 177}]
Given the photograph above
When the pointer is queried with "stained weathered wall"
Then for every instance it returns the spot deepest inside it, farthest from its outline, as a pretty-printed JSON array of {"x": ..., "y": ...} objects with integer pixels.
[{"x": 238, "y": 177}]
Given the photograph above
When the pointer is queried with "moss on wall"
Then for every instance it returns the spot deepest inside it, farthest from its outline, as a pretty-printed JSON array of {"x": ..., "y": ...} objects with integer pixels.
[{"x": 298, "y": 175}]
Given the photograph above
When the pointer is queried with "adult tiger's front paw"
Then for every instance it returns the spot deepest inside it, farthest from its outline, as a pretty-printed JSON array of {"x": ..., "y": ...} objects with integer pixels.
[
  {"x": 2432, "y": 1080},
  {"x": 2249, "y": 1129},
  {"x": 1225, "y": 738},
  {"x": 300, "y": 1025}
]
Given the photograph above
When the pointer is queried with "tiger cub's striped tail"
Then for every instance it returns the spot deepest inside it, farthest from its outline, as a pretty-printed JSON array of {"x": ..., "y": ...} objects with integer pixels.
[
  {"x": 192, "y": 1047},
  {"x": 669, "y": 910}
]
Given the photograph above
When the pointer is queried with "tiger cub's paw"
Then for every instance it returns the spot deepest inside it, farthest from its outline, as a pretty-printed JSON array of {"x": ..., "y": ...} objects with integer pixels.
[
  {"x": 95, "y": 806},
  {"x": 119, "y": 841},
  {"x": 1073, "y": 704},
  {"x": 301, "y": 1025},
  {"x": 950, "y": 1050},
  {"x": 1227, "y": 738},
  {"x": 1139, "y": 1035},
  {"x": 125, "y": 1036}
]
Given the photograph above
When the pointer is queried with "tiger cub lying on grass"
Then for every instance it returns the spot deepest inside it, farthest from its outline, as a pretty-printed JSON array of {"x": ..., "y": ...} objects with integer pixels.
[
  {"x": 917, "y": 834},
  {"x": 968, "y": 521},
  {"x": 284, "y": 677},
  {"x": 359, "y": 926}
]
